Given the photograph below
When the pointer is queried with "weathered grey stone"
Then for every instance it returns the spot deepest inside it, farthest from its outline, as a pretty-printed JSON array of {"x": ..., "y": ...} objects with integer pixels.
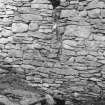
[
  {"x": 83, "y": 31},
  {"x": 82, "y": 52},
  {"x": 29, "y": 78},
  {"x": 27, "y": 66},
  {"x": 22, "y": 0},
  {"x": 37, "y": 80},
  {"x": 69, "y": 43},
  {"x": 31, "y": 17},
  {"x": 55, "y": 85},
  {"x": 52, "y": 55},
  {"x": 3, "y": 71},
  {"x": 93, "y": 63},
  {"x": 94, "y": 79},
  {"x": 80, "y": 67},
  {"x": 34, "y": 45},
  {"x": 40, "y": 1},
  {"x": 41, "y": 6},
  {"x": 68, "y": 52},
  {"x": 9, "y": 46},
  {"x": 46, "y": 85},
  {"x": 86, "y": 75},
  {"x": 11, "y": 7},
  {"x": 18, "y": 39},
  {"x": 37, "y": 63},
  {"x": 27, "y": 10},
  {"x": 102, "y": 61},
  {"x": 45, "y": 30},
  {"x": 68, "y": 13},
  {"x": 94, "y": 13},
  {"x": 71, "y": 60},
  {"x": 6, "y": 33},
  {"x": 5, "y": 100},
  {"x": 95, "y": 4},
  {"x": 101, "y": 84},
  {"x": 83, "y": 13},
  {"x": 33, "y": 26},
  {"x": 19, "y": 27},
  {"x": 99, "y": 37},
  {"x": 92, "y": 45},
  {"x": 28, "y": 56},
  {"x": 3, "y": 40},
  {"x": 9, "y": 12},
  {"x": 8, "y": 59},
  {"x": 48, "y": 80},
  {"x": 68, "y": 71},
  {"x": 28, "y": 97},
  {"x": 80, "y": 59},
  {"x": 91, "y": 58},
  {"x": 58, "y": 81},
  {"x": 77, "y": 88},
  {"x": 103, "y": 12},
  {"x": 80, "y": 31},
  {"x": 40, "y": 35}
]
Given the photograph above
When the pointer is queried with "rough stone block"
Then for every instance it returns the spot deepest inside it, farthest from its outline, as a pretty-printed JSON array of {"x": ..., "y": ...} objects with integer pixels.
[
  {"x": 46, "y": 85},
  {"x": 19, "y": 27},
  {"x": 86, "y": 75},
  {"x": 68, "y": 52},
  {"x": 77, "y": 88},
  {"x": 27, "y": 66},
  {"x": 9, "y": 12},
  {"x": 95, "y": 13},
  {"x": 68, "y": 71},
  {"x": 37, "y": 63},
  {"x": 82, "y": 52},
  {"x": 6, "y": 33},
  {"x": 93, "y": 64},
  {"x": 80, "y": 31},
  {"x": 40, "y": 1},
  {"x": 103, "y": 13},
  {"x": 3, "y": 40},
  {"x": 95, "y": 4},
  {"x": 37, "y": 80},
  {"x": 40, "y": 35},
  {"x": 80, "y": 59},
  {"x": 68, "y": 13},
  {"x": 92, "y": 45},
  {"x": 41, "y": 6},
  {"x": 45, "y": 30},
  {"x": 48, "y": 80},
  {"x": 83, "y": 13},
  {"x": 91, "y": 58},
  {"x": 71, "y": 60},
  {"x": 68, "y": 43},
  {"x": 31, "y": 17},
  {"x": 99, "y": 37},
  {"x": 27, "y": 56},
  {"x": 8, "y": 59},
  {"x": 22, "y": 0},
  {"x": 11, "y": 7},
  {"x": 33, "y": 26},
  {"x": 102, "y": 61}
]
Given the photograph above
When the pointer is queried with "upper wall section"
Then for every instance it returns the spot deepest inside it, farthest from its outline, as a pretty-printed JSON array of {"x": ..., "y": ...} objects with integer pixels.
[{"x": 25, "y": 25}]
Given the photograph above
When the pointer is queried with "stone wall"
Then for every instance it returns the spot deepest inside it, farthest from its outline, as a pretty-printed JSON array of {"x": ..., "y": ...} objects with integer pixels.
[{"x": 58, "y": 49}]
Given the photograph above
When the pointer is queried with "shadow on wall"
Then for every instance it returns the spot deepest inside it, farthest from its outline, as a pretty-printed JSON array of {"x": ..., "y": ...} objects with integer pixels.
[{"x": 55, "y": 3}]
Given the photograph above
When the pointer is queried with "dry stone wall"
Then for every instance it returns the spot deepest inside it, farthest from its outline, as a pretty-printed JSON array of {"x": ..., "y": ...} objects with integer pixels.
[{"x": 59, "y": 49}]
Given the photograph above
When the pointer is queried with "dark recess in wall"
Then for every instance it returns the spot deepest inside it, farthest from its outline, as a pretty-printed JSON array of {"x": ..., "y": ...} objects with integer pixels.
[{"x": 55, "y": 3}]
